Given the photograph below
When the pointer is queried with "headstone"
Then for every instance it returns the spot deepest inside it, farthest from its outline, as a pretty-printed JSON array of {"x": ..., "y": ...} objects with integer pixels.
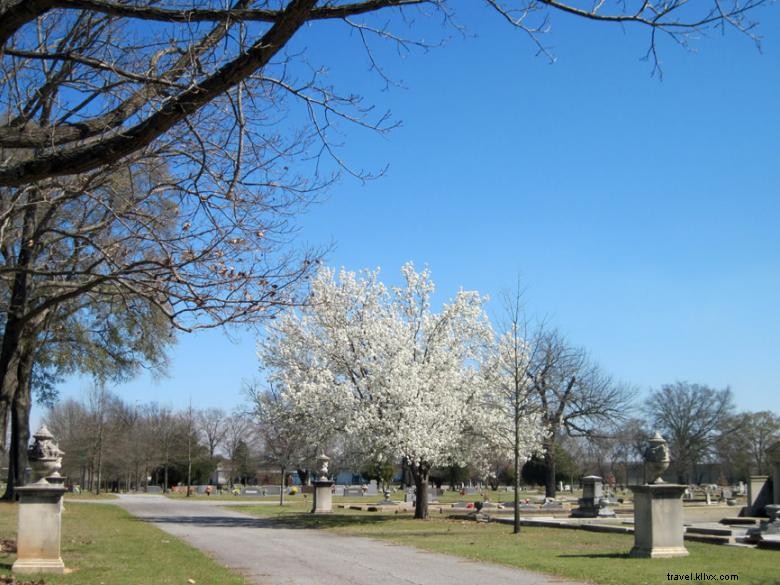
[
  {"x": 338, "y": 490},
  {"x": 593, "y": 504},
  {"x": 372, "y": 488}
]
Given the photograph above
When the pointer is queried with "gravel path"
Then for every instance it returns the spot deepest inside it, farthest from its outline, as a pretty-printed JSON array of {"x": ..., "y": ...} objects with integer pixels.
[{"x": 268, "y": 555}]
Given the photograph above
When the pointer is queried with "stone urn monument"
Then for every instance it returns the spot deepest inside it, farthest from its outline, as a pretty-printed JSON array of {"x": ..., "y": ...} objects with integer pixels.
[
  {"x": 45, "y": 458},
  {"x": 658, "y": 517},
  {"x": 40, "y": 509},
  {"x": 323, "y": 496},
  {"x": 657, "y": 459}
]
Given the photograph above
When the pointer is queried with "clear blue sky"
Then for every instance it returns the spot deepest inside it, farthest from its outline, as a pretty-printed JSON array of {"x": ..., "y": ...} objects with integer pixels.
[{"x": 641, "y": 215}]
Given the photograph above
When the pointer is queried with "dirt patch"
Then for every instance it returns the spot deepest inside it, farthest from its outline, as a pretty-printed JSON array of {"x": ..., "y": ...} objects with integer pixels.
[{"x": 7, "y": 546}]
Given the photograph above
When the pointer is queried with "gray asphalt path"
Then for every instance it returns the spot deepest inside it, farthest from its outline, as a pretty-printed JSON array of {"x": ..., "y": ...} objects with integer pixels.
[{"x": 268, "y": 555}]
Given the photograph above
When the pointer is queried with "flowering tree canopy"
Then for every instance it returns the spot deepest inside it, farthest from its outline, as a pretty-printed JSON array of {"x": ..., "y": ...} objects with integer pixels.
[{"x": 377, "y": 364}]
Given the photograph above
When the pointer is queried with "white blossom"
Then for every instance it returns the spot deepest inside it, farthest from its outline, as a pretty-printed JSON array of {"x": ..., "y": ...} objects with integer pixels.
[{"x": 380, "y": 366}]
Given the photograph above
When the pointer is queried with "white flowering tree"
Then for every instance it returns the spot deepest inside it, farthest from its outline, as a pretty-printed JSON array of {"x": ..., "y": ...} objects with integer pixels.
[{"x": 378, "y": 364}]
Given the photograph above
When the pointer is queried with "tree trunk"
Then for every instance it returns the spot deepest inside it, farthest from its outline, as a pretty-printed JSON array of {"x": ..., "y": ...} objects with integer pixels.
[
  {"x": 549, "y": 480},
  {"x": 99, "y": 465},
  {"x": 9, "y": 368},
  {"x": 20, "y": 421},
  {"x": 189, "y": 461},
  {"x": 420, "y": 473},
  {"x": 281, "y": 486},
  {"x": 517, "y": 461},
  {"x": 13, "y": 334}
]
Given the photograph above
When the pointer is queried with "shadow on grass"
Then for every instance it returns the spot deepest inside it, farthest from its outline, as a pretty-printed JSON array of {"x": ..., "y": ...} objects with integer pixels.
[
  {"x": 291, "y": 520},
  {"x": 597, "y": 556}
]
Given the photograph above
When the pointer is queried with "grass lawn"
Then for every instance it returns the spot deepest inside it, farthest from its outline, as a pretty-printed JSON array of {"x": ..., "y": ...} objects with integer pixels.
[
  {"x": 588, "y": 556},
  {"x": 89, "y": 496},
  {"x": 104, "y": 545}
]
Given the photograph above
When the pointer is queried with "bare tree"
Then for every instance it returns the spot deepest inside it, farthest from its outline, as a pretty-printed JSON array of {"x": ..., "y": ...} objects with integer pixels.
[
  {"x": 208, "y": 60},
  {"x": 164, "y": 436},
  {"x": 574, "y": 396},
  {"x": 513, "y": 378},
  {"x": 285, "y": 441},
  {"x": 744, "y": 441},
  {"x": 212, "y": 427},
  {"x": 690, "y": 416},
  {"x": 239, "y": 432}
]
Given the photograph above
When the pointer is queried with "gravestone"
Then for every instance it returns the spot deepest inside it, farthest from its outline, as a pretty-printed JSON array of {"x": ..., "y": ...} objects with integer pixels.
[{"x": 593, "y": 504}]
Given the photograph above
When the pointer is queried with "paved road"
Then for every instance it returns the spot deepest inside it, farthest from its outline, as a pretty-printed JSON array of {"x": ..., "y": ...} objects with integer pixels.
[{"x": 268, "y": 555}]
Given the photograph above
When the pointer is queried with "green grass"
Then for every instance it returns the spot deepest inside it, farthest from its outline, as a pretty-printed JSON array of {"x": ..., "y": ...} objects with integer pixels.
[
  {"x": 587, "y": 556},
  {"x": 90, "y": 496},
  {"x": 104, "y": 545}
]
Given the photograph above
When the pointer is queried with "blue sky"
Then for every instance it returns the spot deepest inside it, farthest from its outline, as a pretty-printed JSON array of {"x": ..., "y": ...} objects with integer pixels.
[{"x": 640, "y": 214}]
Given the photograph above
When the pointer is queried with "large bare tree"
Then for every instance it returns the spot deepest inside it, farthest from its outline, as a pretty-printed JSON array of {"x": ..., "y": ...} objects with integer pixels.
[
  {"x": 573, "y": 395},
  {"x": 691, "y": 417}
]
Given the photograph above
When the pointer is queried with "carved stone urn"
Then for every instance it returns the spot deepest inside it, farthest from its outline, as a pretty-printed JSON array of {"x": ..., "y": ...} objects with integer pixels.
[
  {"x": 322, "y": 467},
  {"x": 44, "y": 456},
  {"x": 657, "y": 459}
]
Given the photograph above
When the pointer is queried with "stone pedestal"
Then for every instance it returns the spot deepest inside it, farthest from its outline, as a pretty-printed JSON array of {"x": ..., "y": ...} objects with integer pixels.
[
  {"x": 773, "y": 456},
  {"x": 39, "y": 535},
  {"x": 758, "y": 495},
  {"x": 323, "y": 497},
  {"x": 658, "y": 521}
]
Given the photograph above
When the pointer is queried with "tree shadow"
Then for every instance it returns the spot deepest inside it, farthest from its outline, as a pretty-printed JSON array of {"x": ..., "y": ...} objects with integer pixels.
[
  {"x": 293, "y": 520},
  {"x": 597, "y": 556}
]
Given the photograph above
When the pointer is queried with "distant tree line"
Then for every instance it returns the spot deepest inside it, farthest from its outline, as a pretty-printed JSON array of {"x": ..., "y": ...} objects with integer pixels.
[{"x": 111, "y": 444}]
